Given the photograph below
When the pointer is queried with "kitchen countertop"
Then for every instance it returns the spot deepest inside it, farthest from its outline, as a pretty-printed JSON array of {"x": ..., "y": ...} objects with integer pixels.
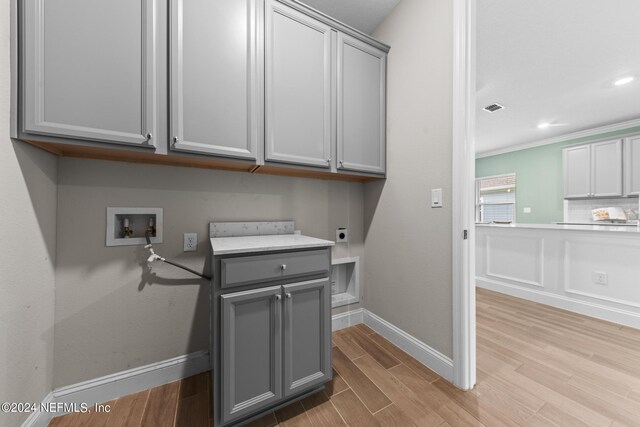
[
  {"x": 278, "y": 242},
  {"x": 564, "y": 227}
]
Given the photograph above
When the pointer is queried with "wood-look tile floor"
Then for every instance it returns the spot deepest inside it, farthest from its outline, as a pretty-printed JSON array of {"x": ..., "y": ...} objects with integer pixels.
[{"x": 537, "y": 366}]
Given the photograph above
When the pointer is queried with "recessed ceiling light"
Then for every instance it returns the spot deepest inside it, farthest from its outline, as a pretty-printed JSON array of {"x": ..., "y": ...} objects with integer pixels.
[
  {"x": 623, "y": 81},
  {"x": 544, "y": 125},
  {"x": 493, "y": 108}
]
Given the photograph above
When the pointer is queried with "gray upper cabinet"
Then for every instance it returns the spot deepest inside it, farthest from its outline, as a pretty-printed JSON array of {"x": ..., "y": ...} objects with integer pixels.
[
  {"x": 593, "y": 170},
  {"x": 307, "y": 335},
  {"x": 251, "y": 351},
  {"x": 298, "y": 87},
  {"x": 89, "y": 69},
  {"x": 632, "y": 166},
  {"x": 361, "y": 106},
  {"x": 215, "y": 75},
  {"x": 577, "y": 171},
  {"x": 606, "y": 169}
]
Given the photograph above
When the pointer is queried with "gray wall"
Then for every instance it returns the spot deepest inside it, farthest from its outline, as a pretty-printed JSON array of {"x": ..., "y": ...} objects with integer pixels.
[
  {"x": 112, "y": 313},
  {"x": 27, "y": 256},
  {"x": 408, "y": 244}
]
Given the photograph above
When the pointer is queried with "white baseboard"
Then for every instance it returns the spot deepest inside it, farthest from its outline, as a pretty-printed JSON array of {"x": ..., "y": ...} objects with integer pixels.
[
  {"x": 346, "y": 319},
  {"x": 122, "y": 383},
  {"x": 427, "y": 355},
  {"x": 135, "y": 380},
  {"x": 586, "y": 308}
]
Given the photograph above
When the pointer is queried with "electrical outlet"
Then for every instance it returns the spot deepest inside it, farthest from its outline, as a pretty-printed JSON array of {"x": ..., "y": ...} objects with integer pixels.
[
  {"x": 526, "y": 210},
  {"x": 600, "y": 278},
  {"x": 190, "y": 242},
  {"x": 342, "y": 235}
]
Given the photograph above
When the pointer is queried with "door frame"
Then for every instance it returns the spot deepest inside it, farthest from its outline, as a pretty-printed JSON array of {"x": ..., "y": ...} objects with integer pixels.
[{"x": 463, "y": 188}]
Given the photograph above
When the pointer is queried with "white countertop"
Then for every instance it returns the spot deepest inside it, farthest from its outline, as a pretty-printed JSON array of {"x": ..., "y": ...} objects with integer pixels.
[
  {"x": 599, "y": 228},
  {"x": 277, "y": 242}
]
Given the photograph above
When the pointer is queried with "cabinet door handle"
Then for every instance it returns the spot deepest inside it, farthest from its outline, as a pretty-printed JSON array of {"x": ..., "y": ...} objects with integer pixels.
[
  {"x": 278, "y": 297},
  {"x": 283, "y": 266},
  {"x": 341, "y": 163},
  {"x": 288, "y": 294},
  {"x": 329, "y": 160},
  {"x": 149, "y": 136}
]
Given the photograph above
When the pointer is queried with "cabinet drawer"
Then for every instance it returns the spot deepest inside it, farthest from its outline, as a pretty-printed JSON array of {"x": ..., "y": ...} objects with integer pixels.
[{"x": 260, "y": 268}]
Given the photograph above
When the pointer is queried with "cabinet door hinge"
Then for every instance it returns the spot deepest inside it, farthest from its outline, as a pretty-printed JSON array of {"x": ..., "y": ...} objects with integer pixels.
[{"x": 465, "y": 234}]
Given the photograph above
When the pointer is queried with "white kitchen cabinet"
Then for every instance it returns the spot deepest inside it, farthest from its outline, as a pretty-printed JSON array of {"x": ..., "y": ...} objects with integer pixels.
[
  {"x": 632, "y": 166},
  {"x": 593, "y": 170},
  {"x": 298, "y": 87},
  {"x": 90, "y": 70},
  {"x": 361, "y": 106},
  {"x": 216, "y": 102},
  {"x": 325, "y": 92}
]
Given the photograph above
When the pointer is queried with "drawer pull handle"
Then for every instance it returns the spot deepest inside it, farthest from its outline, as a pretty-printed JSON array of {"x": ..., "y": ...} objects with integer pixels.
[
  {"x": 283, "y": 266},
  {"x": 278, "y": 297},
  {"x": 288, "y": 294}
]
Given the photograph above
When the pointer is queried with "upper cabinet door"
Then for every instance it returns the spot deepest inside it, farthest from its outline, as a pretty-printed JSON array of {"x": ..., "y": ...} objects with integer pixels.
[
  {"x": 298, "y": 87},
  {"x": 89, "y": 69},
  {"x": 632, "y": 166},
  {"x": 577, "y": 172},
  {"x": 606, "y": 169},
  {"x": 215, "y": 77},
  {"x": 361, "y": 106},
  {"x": 307, "y": 335}
]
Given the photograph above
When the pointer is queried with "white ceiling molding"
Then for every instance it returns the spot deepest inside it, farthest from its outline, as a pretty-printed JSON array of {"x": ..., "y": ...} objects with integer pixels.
[{"x": 567, "y": 137}]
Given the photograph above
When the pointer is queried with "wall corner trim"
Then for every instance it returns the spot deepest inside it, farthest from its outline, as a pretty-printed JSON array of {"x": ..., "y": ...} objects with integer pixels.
[
  {"x": 112, "y": 386},
  {"x": 346, "y": 319}
]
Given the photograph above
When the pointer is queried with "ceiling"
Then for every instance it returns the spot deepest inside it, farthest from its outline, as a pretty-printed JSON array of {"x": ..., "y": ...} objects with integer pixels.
[
  {"x": 364, "y": 15},
  {"x": 554, "y": 61}
]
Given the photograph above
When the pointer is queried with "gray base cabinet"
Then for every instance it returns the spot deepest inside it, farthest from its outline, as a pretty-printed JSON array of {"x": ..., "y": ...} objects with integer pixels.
[
  {"x": 89, "y": 69},
  {"x": 271, "y": 340}
]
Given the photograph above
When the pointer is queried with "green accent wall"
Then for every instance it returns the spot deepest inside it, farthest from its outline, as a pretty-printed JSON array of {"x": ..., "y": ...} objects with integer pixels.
[{"x": 539, "y": 179}]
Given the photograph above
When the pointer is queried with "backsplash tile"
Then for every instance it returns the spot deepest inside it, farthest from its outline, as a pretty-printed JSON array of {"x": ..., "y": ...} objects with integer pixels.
[
  {"x": 580, "y": 210},
  {"x": 252, "y": 228}
]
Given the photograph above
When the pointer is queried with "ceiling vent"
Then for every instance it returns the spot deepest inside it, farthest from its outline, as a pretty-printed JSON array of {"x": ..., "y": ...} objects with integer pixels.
[{"x": 493, "y": 108}]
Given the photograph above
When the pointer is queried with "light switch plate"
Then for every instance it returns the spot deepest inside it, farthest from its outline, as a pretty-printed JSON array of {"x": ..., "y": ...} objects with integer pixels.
[{"x": 436, "y": 197}]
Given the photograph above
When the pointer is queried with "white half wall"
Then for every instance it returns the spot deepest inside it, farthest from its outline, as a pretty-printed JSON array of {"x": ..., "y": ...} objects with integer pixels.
[{"x": 561, "y": 268}]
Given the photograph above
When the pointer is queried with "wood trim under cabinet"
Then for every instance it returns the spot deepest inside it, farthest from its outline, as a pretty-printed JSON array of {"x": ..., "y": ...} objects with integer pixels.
[{"x": 193, "y": 161}]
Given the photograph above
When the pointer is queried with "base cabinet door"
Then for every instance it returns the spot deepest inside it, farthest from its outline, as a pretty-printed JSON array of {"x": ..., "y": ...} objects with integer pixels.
[
  {"x": 251, "y": 351},
  {"x": 216, "y": 81},
  {"x": 307, "y": 335},
  {"x": 90, "y": 69},
  {"x": 361, "y": 106}
]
